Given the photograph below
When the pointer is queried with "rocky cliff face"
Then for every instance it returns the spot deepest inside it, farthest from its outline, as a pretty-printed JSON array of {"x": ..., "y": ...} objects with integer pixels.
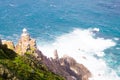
[{"x": 66, "y": 66}]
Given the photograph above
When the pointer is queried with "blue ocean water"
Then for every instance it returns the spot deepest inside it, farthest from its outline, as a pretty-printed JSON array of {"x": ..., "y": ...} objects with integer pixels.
[{"x": 47, "y": 19}]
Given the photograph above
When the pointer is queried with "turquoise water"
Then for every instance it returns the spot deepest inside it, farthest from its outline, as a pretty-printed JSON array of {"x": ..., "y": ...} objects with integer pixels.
[{"x": 47, "y": 19}]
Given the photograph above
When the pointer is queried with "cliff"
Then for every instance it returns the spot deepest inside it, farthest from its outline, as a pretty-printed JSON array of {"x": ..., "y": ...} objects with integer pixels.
[
  {"x": 65, "y": 66},
  {"x": 27, "y": 67},
  {"x": 26, "y": 57}
]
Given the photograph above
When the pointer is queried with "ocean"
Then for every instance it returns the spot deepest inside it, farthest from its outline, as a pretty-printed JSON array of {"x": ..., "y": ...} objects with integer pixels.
[{"x": 88, "y": 31}]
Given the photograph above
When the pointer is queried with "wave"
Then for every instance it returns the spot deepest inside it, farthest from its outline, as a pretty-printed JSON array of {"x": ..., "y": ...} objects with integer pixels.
[{"x": 88, "y": 49}]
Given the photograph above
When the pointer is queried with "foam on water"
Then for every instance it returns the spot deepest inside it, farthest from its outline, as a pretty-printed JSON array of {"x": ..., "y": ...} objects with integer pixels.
[{"x": 86, "y": 48}]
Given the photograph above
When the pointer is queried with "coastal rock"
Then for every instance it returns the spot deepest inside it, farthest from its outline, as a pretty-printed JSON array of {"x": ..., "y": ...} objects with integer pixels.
[
  {"x": 9, "y": 44},
  {"x": 65, "y": 66},
  {"x": 56, "y": 54},
  {"x": 79, "y": 69},
  {"x": 25, "y": 44}
]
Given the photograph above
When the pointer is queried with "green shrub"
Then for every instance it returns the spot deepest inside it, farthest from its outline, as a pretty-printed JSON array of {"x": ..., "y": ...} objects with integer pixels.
[{"x": 25, "y": 67}]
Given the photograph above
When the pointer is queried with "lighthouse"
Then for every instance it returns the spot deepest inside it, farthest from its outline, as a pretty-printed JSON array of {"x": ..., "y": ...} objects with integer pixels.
[{"x": 25, "y": 32}]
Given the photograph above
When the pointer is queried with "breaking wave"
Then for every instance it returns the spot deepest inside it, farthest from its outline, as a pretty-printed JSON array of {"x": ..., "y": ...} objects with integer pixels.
[{"x": 88, "y": 49}]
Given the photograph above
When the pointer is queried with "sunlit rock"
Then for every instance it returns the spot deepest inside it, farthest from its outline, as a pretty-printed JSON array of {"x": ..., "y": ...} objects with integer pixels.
[
  {"x": 9, "y": 44},
  {"x": 25, "y": 44}
]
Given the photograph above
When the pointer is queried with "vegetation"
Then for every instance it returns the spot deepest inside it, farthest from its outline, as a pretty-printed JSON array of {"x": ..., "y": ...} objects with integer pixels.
[{"x": 14, "y": 67}]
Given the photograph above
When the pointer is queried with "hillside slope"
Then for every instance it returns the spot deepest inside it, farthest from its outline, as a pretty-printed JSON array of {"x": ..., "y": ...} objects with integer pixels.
[{"x": 15, "y": 67}]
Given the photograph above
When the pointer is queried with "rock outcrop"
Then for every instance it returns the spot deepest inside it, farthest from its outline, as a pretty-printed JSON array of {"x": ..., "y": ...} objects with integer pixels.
[
  {"x": 82, "y": 72},
  {"x": 9, "y": 44},
  {"x": 66, "y": 67},
  {"x": 25, "y": 44},
  {"x": 56, "y": 54}
]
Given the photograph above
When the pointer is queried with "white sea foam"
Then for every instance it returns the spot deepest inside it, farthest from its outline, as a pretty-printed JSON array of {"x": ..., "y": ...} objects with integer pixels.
[
  {"x": 118, "y": 48},
  {"x": 116, "y": 38},
  {"x": 82, "y": 46}
]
